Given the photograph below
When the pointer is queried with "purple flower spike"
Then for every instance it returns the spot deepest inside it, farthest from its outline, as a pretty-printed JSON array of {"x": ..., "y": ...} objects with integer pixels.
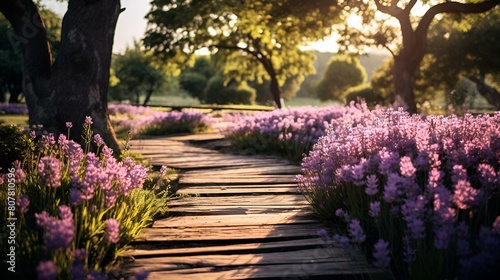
[
  {"x": 163, "y": 170},
  {"x": 381, "y": 254},
  {"x": 46, "y": 270},
  {"x": 112, "y": 231},
  {"x": 50, "y": 172},
  {"x": 356, "y": 232},
  {"x": 23, "y": 202}
]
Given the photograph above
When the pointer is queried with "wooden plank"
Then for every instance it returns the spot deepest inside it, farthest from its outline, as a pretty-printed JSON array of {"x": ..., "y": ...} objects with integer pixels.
[
  {"x": 255, "y": 200},
  {"x": 287, "y": 245},
  {"x": 229, "y": 233},
  {"x": 326, "y": 270},
  {"x": 236, "y": 220},
  {"x": 236, "y": 179},
  {"x": 231, "y": 210},
  {"x": 321, "y": 254},
  {"x": 197, "y": 137},
  {"x": 242, "y": 186},
  {"x": 225, "y": 190},
  {"x": 262, "y": 170}
]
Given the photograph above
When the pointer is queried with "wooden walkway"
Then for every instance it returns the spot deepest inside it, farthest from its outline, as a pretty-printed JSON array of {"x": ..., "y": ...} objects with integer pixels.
[{"x": 238, "y": 217}]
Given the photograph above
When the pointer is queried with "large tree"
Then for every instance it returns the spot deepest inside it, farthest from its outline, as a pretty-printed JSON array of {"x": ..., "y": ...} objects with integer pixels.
[
  {"x": 76, "y": 84},
  {"x": 253, "y": 40},
  {"x": 408, "y": 40},
  {"x": 11, "y": 75}
]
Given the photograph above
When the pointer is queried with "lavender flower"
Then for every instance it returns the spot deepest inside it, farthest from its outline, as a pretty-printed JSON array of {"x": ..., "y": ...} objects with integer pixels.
[
  {"x": 406, "y": 167},
  {"x": 23, "y": 203},
  {"x": 163, "y": 170},
  {"x": 19, "y": 173},
  {"x": 79, "y": 255},
  {"x": 98, "y": 140},
  {"x": 32, "y": 134},
  {"x": 323, "y": 234},
  {"x": 381, "y": 254},
  {"x": 49, "y": 169},
  {"x": 69, "y": 124},
  {"x": 374, "y": 209},
  {"x": 46, "y": 270},
  {"x": 356, "y": 232},
  {"x": 77, "y": 271},
  {"x": 88, "y": 120},
  {"x": 112, "y": 231},
  {"x": 371, "y": 185}
]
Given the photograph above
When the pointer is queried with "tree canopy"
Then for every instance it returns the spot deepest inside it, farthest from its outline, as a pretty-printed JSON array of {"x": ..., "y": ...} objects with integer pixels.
[{"x": 252, "y": 40}]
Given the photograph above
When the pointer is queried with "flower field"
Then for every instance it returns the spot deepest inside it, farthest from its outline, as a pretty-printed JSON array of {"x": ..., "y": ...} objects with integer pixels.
[
  {"x": 289, "y": 132},
  {"x": 421, "y": 196}
]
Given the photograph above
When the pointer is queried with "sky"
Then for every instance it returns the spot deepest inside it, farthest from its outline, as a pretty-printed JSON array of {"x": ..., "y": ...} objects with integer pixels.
[{"x": 131, "y": 23}]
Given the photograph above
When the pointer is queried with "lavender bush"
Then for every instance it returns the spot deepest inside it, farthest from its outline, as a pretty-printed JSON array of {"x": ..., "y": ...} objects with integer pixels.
[
  {"x": 77, "y": 210},
  {"x": 12, "y": 108},
  {"x": 147, "y": 121},
  {"x": 290, "y": 132},
  {"x": 421, "y": 196}
]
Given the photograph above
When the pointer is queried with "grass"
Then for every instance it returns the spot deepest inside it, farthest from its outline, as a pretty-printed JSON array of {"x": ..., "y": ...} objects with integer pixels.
[{"x": 21, "y": 120}]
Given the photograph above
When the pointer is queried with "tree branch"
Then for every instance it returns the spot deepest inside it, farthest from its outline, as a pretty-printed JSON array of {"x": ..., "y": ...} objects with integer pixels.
[
  {"x": 410, "y": 6},
  {"x": 453, "y": 7}
]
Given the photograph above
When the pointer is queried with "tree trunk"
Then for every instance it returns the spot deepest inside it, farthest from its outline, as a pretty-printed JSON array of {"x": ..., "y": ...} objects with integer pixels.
[
  {"x": 148, "y": 97},
  {"x": 76, "y": 86},
  {"x": 275, "y": 91},
  {"x": 403, "y": 84}
]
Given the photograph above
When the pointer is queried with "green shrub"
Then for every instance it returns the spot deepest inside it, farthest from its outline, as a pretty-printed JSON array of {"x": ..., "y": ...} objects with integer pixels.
[
  {"x": 13, "y": 145},
  {"x": 231, "y": 93}
]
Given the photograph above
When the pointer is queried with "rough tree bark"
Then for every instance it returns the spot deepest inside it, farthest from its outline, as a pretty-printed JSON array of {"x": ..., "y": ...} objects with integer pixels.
[
  {"x": 414, "y": 45},
  {"x": 76, "y": 85}
]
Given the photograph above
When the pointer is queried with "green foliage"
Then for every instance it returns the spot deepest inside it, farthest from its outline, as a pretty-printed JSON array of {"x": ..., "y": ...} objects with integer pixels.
[
  {"x": 194, "y": 84},
  {"x": 461, "y": 46},
  {"x": 13, "y": 145},
  {"x": 289, "y": 90},
  {"x": 138, "y": 74},
  {"x": 342, "y": 73},
  {"x": 194, "y": 79},
  {"x": 366, "y": 93},
  {"x": 382, "y": 81},
  {"x": 231, "y": 93}
]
